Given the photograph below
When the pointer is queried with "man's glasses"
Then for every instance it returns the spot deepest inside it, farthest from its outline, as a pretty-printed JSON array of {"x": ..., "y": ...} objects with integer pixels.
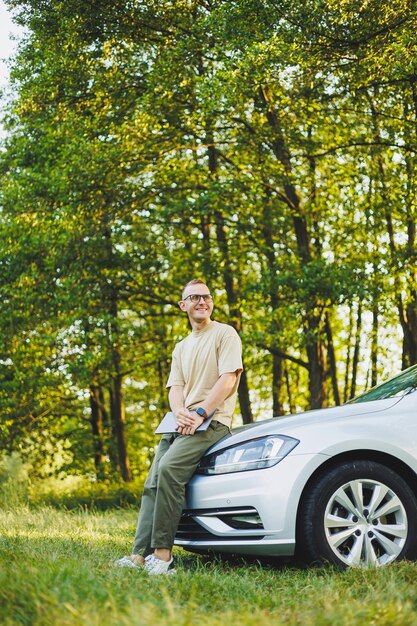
[{"x": 195, "y": 297}]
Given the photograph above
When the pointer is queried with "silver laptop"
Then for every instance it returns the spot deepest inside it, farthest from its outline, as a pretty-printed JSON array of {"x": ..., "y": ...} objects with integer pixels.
[{"x": 169, "y": 424}]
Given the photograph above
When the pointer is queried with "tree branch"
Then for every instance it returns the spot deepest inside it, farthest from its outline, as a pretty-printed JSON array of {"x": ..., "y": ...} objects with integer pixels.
[{"x": 284, "y": 355}]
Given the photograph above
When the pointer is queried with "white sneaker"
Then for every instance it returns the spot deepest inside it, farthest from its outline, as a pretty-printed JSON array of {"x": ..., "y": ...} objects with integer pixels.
[
  {"x": 126, "y": 561},
  {"x": 156, "y": 567}
]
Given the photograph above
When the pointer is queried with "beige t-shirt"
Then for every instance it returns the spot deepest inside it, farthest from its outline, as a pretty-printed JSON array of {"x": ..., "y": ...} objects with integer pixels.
[{"x": 199, "y": 360}]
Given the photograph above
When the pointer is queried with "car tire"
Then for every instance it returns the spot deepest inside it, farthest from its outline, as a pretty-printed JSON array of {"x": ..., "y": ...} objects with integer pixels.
[{"x": 357, "y": 514}]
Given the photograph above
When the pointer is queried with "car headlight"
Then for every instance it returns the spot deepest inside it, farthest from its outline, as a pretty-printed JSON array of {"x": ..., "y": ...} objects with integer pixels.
[{"x": 249, "y": 455}]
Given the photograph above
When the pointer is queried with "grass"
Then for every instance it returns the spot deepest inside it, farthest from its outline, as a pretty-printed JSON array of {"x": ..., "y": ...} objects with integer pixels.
[{"x": 56, "y": 570}]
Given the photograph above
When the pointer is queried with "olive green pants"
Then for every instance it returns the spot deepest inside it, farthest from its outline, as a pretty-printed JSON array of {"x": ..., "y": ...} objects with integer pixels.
[{"x": 163, "y": 496}]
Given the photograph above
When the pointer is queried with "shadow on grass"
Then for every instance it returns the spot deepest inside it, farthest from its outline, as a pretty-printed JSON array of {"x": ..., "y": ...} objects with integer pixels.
[{"x": 192, "y": 560}]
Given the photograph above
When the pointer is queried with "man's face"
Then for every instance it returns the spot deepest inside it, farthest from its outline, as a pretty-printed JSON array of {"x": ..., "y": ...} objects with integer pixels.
[{"x": 199, "y": 311}]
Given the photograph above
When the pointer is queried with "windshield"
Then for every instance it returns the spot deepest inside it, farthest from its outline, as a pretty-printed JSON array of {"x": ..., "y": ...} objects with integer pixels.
[{"x": 400, "y": 385}]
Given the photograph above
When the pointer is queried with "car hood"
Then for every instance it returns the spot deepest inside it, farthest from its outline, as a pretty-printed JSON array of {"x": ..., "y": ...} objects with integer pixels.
[{"x": 291, "y": 424}]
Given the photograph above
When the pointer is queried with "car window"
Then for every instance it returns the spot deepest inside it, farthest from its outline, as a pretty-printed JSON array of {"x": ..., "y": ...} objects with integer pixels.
[{"x": 400, "y": 385}]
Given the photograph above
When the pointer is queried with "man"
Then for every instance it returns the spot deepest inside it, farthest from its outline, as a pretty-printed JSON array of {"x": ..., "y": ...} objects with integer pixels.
[{"x": 204, "y": 378}]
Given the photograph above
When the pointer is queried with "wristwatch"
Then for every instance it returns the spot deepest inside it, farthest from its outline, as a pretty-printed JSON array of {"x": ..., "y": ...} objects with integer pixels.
[{"x": 201, "y": 412}]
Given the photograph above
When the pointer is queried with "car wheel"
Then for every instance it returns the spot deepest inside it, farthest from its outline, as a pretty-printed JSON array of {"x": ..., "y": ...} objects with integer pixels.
[{"x": 358, "y": 514}]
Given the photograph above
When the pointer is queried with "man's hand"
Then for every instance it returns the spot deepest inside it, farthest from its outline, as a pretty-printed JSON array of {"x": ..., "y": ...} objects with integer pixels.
[{"x": 188, "y": 421}]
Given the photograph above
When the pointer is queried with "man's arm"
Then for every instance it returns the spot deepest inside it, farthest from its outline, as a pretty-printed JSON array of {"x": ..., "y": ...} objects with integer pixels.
[
  {"x": 219, "y": 392},
  {"x": 182, "y": 414},
  {"x": 176, "y": 398},
  {"x": 188, "y": 422}
]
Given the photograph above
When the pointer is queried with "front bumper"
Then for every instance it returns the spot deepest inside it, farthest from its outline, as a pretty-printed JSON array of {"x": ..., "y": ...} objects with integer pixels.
[{"x": 251, "y": 513}]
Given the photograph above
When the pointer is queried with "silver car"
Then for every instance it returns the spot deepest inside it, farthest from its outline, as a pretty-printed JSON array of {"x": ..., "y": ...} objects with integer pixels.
[{"x": 334, "y": 485}]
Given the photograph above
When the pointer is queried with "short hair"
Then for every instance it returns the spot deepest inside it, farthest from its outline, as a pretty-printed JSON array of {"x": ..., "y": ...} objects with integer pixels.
[{"x": 194, "y": 281}]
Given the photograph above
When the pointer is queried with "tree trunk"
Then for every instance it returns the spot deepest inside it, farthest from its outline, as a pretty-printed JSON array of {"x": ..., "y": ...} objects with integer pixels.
[
  {"x": 288, "y": 388},
  {"x": 235, "y": 316},
  {"x": 277, "y": 408},
  {"x": 117, "y": 411},
  {"x": 406, "y": 311},
  {"x": 347, "y": 361},
  {"x": 96, "y": 420},
  {"x": 275, "y": 329},
  {"x": 410, "y": 334},
  {"x": 316, "y": 356},
  {"x": 332, "y": 359},
  {"x": 355, "y": 361},
  {"x": 411, "y": 306},
  {"x": 228, "y": 279},
  {"x": 374, "y": 345},
  {"x": 110, "y": 435},
  {"x": 117, "y": 407},
  {"x": 319, "y": 249},
  {"x": 312, "y": 323}
]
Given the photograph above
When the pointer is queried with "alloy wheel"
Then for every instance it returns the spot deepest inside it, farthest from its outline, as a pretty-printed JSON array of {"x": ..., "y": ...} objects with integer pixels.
[{"x": 365, "y": 523}]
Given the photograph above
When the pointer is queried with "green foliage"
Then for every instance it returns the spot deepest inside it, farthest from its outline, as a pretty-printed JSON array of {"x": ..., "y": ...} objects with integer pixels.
[
  {"x": 269, "y": 148},
  {"x": 80, "y": 493},
  {"x": 14, "y": 481},
  {"x": 21, "y": 484}
]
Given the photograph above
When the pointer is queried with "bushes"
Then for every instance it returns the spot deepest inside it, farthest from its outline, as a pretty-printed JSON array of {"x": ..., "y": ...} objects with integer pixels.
[
  {"x": 14, "y": 481},
  {"x": 87, "y": 495},
  {"x": 71, "y": 492}
]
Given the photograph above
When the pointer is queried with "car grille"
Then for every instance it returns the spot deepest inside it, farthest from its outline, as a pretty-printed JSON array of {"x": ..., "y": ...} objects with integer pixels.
[{"x": 237, "y": 519}]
